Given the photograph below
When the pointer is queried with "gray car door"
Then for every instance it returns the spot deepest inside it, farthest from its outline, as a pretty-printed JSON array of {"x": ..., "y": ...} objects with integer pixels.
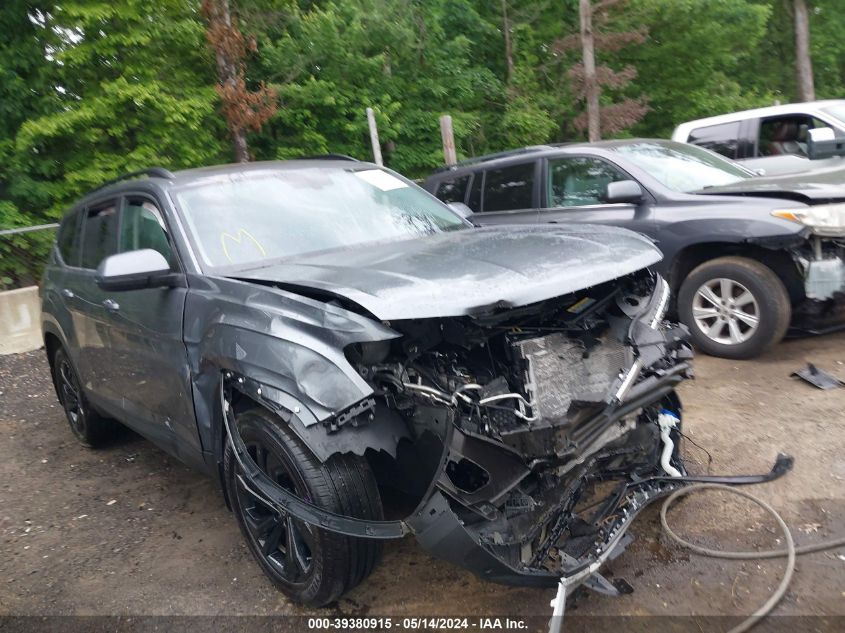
[
  {"x": 574, "y": 188},
  {"x": 148, "y": 360}
]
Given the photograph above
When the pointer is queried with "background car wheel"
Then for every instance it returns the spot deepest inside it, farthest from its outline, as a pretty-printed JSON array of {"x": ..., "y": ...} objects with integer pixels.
[
  {"x": 87, "y": 425},
  {"x": 309, "y": 565},
  {"x": 734, "y": 307}
]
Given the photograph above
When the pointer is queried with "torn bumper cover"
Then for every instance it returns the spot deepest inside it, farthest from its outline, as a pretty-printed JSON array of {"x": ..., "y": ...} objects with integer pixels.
[
  {"x": 820, "y": 261},
  {"x": 551, "y": 439}
]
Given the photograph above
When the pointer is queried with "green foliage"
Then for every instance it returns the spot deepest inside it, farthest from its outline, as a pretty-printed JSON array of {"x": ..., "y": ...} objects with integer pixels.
[
  {"x": 93, "y": 88},
  {"x": 696, "y": 59},
  {"x": 402, "y": 58},
  {"x": 120, "y": 86}
]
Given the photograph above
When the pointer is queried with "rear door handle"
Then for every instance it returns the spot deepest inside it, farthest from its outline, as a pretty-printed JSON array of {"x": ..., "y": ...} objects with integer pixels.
[
  {"x": 111, "y": 305},
  {"x": 67, "y": 293}
]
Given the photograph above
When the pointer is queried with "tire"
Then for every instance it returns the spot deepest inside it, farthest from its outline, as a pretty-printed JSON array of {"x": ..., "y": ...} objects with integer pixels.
[
  {"x": 88, "y": 426},
  {"x": 753, "y": 314},
  {"x": 322, "y": 565}
]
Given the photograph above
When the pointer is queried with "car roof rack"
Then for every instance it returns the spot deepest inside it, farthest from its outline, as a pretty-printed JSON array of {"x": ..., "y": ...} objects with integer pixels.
[
  {"x": 328, "y": 157},
  {"x": 151, "y": 172},
  {"x": 484, "y": 158}
]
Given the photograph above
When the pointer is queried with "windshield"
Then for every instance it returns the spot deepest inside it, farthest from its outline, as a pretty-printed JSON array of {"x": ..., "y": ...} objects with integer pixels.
[
  {"x": 682, "y": 167},
  {"x": 837, "y": 111},
  {"x": 251, "y": 218}
]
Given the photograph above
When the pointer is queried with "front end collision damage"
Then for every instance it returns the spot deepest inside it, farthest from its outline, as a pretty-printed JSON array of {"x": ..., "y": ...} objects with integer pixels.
[
  {"x": 543, "y": 419},
  {"x": 817, "y": 266}
]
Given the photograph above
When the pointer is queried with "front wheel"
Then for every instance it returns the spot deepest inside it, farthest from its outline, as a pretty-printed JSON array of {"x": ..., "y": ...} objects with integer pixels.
[
  {"x": 310, "y": 565},
  {"x": 735, "y": 307}
]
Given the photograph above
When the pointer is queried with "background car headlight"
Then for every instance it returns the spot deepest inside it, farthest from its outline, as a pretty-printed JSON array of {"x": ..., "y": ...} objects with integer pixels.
[{"x": 822, "y": 219}]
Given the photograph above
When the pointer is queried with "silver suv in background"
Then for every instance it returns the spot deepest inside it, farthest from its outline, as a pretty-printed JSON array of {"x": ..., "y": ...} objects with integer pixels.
[{"x": 780, "y": 139}]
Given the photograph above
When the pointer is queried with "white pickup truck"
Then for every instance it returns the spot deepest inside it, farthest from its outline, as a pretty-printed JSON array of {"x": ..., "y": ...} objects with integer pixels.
[{"x": 781, "y": 139}]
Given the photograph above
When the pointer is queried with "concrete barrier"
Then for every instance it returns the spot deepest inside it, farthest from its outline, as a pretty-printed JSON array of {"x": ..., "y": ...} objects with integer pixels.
[{"x": 20, "y": 320}]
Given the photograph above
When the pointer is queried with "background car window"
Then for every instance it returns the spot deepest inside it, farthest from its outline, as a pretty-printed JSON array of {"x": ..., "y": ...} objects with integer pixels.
[
  {"x": 575, "y": 182},
  {"x": 99, "y": 235},
  {"x": 454, "y": 190},
  {"x": 143, "y": 227},
  {"x": 722, "y": 139},
  {"x": 509, "y": 188},
  {"x": 474, "y": 201},
  {"x": 68, "y": 239},
  {"x": 786, "y": 135}
]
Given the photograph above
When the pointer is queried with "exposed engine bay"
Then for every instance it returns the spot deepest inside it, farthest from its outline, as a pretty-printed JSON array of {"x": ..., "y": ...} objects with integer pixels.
[{"x": 546, "y": 404}]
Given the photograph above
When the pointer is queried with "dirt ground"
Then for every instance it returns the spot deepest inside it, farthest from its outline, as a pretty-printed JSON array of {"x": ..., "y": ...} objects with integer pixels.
[{"x": 127, "y": 530}]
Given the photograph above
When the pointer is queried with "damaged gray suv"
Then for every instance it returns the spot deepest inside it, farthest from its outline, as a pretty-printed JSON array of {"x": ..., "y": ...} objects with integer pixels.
[{"x": 321, "y": 335}]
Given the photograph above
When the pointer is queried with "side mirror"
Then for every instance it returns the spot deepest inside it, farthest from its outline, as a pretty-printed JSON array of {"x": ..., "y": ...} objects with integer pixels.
[
  {"x": 821, "y": 134},
  {"x": 623, "y": 191},
  {"x": 822, "y": 143},
  {"x": 461, "y": 209},
  {"x": 134, "y": 270}
]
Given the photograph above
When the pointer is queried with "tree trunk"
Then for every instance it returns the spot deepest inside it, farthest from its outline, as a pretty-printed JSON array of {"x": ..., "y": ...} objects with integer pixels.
[
  {"x": 803, "y": 63},
  {"x": 506, "y": 30},
  {"x": 227, "y": 70},
  {"x": 591, "y": 85}
]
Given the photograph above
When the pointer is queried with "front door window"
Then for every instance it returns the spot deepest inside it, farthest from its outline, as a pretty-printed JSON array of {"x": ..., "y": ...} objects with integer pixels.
[{"x": 580, "y": 181}]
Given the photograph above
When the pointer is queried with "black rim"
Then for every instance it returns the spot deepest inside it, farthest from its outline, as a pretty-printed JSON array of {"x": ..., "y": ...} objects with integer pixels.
[
  {"x": 285, "y": 544},
  {"x": 71, "y": 396}
]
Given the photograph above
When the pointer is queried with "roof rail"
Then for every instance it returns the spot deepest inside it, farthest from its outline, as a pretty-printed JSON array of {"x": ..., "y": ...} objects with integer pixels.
[
  {"x": 328, "y": 157},
  {"x": 507, "y": 153},
  {"x": 151, "y": 172}
]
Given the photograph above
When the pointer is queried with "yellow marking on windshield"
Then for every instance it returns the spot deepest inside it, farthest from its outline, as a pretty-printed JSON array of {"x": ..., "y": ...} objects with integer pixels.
[{"x": 238, "y": 238}]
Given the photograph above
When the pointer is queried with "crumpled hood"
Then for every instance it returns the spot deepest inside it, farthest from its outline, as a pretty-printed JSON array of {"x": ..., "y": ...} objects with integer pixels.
[
  {"x": 462, "y": 272},
  {"x": 809, "y": 188}
]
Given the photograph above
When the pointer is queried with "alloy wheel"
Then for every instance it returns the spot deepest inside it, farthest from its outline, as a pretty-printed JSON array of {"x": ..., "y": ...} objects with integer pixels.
[
  {"x": 71, "y": 397},
  {"x": 726, "y": 311},
  {"x": 285, "y": 543}
]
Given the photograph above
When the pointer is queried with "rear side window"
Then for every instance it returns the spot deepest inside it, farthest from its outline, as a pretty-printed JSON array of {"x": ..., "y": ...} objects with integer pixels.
[
  {"x": 68, "y": 239},
  {"x": 99, "y": 235},
  {"x": 454, "y": 190},
  {"x": 509, "y": 188},
  {"x": 143, "y": 227},
  {"x": 722, "y": 139}
]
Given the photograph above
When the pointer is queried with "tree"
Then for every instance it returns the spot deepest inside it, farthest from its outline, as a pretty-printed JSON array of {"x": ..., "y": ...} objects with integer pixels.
[
  {"x": 591, "y": 85},
  {"x": 410, "y": 61},
  {"x": 590, "y": 81},
  {"x": 803, "y": 62},
  {"x": 711, "y": 66},
  {"x": 243, "y": 109}
]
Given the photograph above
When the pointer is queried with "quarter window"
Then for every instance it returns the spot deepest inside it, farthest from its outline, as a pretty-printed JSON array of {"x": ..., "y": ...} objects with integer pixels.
[
  {"x": 575, "y": 182},
  {"x": 509, "y": 188},
  {"x": 99, "y": 235},
  {"x": 454, "y": 190},
  {"x": 143, "y": 226},
  {"x": 722, "y": 138},
  {"x": 68, "y": 239}
]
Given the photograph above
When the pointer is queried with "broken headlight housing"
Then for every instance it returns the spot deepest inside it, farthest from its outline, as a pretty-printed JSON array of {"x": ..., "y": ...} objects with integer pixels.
[{"x": 823, "y": 219}]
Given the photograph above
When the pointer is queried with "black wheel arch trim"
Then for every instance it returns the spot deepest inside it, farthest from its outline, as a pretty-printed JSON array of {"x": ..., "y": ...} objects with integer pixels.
[{"x": 285, "y": 502}]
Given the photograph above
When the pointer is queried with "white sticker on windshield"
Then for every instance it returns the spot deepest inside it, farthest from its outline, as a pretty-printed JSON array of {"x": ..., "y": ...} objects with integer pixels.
[{"x": 380, "y": 179}]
